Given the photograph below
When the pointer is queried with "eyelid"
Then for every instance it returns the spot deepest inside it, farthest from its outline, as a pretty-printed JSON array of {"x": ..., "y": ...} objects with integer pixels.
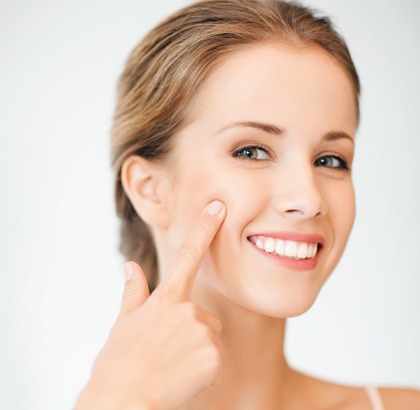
[
  {"x": 263, "y": 147},
  {"x": 346, "y": 167}
]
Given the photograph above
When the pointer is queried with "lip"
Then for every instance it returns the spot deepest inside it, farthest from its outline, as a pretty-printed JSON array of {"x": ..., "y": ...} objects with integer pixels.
[{"x": 293, "y": 264}]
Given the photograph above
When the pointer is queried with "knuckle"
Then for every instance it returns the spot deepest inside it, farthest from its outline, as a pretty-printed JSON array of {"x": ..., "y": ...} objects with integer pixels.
[
  {"x": 214, "y": 357},
  {"x": 129, "y": 292},
  {"x": 188, "y": 252},
  {"x": 189, "y": 310},
  {"x": 218, "y": 326},
  {"x": 206, "y": 333},
  {"x": 215, "y": 353}
]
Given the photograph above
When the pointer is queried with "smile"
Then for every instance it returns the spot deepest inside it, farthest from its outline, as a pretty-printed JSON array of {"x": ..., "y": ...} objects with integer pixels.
[{"x": 287, "y": 248}]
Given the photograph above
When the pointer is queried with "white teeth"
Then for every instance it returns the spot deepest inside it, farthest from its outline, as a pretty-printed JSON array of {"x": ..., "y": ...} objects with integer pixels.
[
  {"x": 270, "y": 245},
  {"x": 279, "y": 247},
  {"x": 302, "y": 251},
  {"x": 310, "y": 250},
  {"x": 290, "y": 249},
  {"x": 260, "y": 243}
]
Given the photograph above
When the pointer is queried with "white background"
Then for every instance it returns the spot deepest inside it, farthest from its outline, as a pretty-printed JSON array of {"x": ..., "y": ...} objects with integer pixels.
[{"x": 60, "y": 268}]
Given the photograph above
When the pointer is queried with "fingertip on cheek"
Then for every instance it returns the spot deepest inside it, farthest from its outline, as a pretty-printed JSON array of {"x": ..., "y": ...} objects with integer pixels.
[
  {"x": 214, "y": 208},
  {"x": 223, "y": 198}
]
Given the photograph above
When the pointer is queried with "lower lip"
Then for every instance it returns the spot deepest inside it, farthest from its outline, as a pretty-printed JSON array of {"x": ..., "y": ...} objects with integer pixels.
[{"x": 294, "y": 264}]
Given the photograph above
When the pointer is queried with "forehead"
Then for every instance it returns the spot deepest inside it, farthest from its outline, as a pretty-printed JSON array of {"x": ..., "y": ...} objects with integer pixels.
[{"x": 293, "y": 87}]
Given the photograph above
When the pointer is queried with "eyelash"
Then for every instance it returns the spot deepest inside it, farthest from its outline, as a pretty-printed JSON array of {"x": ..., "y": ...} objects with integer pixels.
[
  {"x": 344, "y": 166},
  {"x": 236, "y": 153}
]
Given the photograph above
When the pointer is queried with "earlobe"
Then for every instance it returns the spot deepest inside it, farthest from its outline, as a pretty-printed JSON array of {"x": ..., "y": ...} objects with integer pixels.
[{"x": 141, "y": 180}]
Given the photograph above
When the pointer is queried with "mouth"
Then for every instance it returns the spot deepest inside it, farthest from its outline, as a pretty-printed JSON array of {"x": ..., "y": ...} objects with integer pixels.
[
  {"x": 287, "y": 248},
  {"x": 293, "y": 250}
]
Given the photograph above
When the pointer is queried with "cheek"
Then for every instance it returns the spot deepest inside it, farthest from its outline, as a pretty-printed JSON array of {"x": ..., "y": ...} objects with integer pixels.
[
  {"x": 190, "y": 195},
  {"x": 342, "y": 210}
]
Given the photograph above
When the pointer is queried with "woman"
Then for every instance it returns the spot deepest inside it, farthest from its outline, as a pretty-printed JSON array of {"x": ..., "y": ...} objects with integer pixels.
[{"x": 232, "y": 146}]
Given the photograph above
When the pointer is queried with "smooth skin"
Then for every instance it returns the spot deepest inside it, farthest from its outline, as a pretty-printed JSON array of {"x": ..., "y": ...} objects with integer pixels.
[{"x": 211, "y": 336}]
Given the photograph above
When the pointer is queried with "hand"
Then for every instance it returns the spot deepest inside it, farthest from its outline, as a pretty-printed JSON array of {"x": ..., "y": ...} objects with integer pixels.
[{"x": 162, "y": 350}]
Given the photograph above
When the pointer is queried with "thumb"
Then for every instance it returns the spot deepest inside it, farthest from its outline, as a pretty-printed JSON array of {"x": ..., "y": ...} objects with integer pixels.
[{"x": 136, "y": 290}]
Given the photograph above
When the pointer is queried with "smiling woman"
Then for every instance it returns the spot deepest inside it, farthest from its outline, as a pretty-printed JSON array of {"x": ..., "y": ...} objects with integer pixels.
[
  {"x": 289, "y": 189},
  {"x": 233, "y": 144}
]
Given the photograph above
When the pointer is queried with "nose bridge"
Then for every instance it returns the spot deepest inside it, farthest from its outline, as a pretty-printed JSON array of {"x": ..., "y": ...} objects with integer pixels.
[{"x": 298, "y": 192}]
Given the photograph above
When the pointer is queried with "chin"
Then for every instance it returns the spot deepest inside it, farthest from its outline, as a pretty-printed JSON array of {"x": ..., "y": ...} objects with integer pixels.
[
  {"x": 280, "y": 302},
  {"x": 277, "y": 306}
]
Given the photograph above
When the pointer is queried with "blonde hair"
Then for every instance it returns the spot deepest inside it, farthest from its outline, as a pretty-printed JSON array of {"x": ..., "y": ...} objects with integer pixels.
[{"x": 165, "y": 70}]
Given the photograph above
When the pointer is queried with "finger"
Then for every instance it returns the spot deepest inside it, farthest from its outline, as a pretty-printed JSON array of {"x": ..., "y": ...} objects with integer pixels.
[
  {"x": 136, "y": 290},
  {"x": 190, "y": 255},
  {"x": 211, "y": 320}
]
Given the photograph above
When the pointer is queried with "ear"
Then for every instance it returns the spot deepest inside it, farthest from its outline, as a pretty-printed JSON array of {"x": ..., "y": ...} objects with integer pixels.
[{"x": 142, "y": 182}]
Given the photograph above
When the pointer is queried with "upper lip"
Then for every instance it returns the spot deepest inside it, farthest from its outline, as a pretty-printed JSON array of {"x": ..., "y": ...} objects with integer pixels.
[{"x": 293, "y": 236}]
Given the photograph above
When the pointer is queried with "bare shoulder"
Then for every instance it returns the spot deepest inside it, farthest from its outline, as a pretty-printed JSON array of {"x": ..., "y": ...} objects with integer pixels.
[
  {"x": 400, "y": 398},
  {"x": 323, "y": 394}
]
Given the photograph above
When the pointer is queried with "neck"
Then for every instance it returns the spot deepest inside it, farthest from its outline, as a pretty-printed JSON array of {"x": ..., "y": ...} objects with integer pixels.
[{"x": 254, "y": 371}]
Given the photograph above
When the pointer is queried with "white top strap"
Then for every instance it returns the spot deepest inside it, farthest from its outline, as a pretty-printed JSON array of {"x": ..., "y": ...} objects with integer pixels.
[{"x": 374, "y": 398}]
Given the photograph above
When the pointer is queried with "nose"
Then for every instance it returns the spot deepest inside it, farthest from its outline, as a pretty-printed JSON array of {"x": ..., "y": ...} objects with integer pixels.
[{"x": 298, "y": 195}]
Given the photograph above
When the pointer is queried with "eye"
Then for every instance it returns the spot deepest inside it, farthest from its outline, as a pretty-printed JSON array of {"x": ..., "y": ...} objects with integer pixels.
[
  {"x": 252, "y": 152},
  {"x": 332, "y": 161}
]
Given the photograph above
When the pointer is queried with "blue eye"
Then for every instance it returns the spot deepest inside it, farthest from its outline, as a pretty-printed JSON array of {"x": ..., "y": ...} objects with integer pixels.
[
  {"x": 252, "y": 152},
  {"x": 331, "y": 161}
]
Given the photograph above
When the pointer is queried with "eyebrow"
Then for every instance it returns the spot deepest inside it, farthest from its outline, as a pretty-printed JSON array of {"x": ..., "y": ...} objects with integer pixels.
[
  {"x": 274, "y": 130},
  {"x": 336, "y": 135},
  {"x": 268, "y": 128}
]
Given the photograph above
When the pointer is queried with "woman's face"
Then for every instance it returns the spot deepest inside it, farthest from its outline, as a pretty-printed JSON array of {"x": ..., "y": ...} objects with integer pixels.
[{"x": 271, "y": 134}]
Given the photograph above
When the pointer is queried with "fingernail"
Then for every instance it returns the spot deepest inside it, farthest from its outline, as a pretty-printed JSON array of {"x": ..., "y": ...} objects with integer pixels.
[
  {"x": 214, "y": 208},
  {"x": 128, "y": 271}
]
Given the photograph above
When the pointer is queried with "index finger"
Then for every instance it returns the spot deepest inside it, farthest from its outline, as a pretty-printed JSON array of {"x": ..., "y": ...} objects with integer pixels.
[{"x": 191, "y": 253}]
